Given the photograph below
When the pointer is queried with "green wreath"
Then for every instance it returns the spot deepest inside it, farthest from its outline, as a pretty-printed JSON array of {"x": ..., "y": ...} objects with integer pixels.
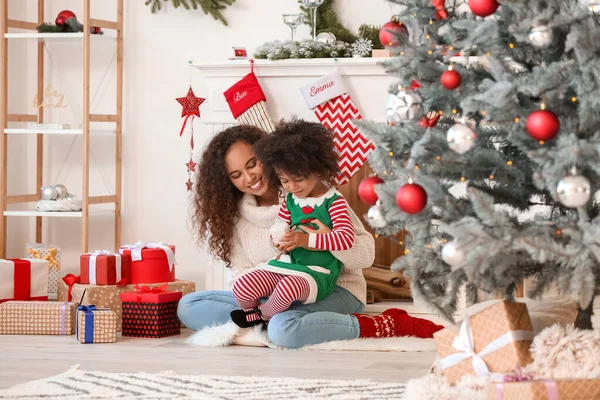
[{"x": 212, "y": 7}]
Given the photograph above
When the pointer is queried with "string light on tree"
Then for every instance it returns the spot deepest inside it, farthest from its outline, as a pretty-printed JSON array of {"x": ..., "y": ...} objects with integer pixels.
[
  {"x": 453, "y": 255},
  {"x": 366, "y": 190},
  {"x": 460, "y": 138},
  {"x": 541, "y": 36},
  {"x": 543, "y": 125},
  {"x": 574, "y": 191},
  {"x": 411, "y": 198},
  {"x": 483, "y": 8},
  {"x": 451, "y": 79}
]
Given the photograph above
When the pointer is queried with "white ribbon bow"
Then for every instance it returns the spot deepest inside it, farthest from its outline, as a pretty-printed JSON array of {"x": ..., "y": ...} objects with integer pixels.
[
  {"x": 92, "y": 264},
  {"x": 464, "y": 344},
  {"x": 136, "y": 251}
]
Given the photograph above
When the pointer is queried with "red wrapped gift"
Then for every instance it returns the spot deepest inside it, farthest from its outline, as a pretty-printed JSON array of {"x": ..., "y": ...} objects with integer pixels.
[
  {"x": 150, "y": 312},
  {"x": 23, "y": 279},
  {"x": 150, "y": 262},
  {"x": 104, "y": 268}
]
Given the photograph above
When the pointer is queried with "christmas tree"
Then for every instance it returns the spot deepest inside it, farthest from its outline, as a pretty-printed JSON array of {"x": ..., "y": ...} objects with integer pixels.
[{"x": 491, "y": 154}]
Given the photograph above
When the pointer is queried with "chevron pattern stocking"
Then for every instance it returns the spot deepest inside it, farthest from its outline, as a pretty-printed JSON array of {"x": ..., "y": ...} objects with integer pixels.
[{"x": 337, "y": 115}]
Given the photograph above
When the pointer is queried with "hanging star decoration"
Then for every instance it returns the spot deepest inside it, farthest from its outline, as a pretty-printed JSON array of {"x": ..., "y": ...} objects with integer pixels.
[
  {"x": 191, "y": 165},
  {"x": 191, "y": 107},
  {"x": 189, "y": 184}
]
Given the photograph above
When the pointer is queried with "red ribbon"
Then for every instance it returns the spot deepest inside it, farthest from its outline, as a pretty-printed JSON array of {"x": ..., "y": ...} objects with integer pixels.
[
  {"x": 185, "y": 122},
  {"x": 22, "y": 280},
  {"x": 414, "y": 85},
  {"x": 70, "y": 280},
  {"x": 430, "y": 120},
  {"x": 142, "y": 290},
  {"x": 306, "y": 221},
  {"x": 440, "y": 10}
]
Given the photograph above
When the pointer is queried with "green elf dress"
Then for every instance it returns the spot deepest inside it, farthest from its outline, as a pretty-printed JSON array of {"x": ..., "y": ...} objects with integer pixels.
[{"x": 320, "y": 268}]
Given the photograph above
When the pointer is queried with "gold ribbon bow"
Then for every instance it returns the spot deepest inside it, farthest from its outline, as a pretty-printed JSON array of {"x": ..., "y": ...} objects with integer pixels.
[{"x": 50, "y": 258}]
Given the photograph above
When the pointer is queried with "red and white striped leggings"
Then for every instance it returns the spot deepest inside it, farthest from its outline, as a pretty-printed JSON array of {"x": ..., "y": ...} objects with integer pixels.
[{"x": 282, "y": 291}]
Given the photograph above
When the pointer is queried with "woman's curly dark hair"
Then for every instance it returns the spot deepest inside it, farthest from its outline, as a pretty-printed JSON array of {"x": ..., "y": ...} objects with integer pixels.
[
  {"x": 298, "y": 148},
  {"x": 216, "y": 199}
]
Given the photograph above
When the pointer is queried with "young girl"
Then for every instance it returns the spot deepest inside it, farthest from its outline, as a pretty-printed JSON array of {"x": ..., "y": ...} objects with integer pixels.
[{"x": 303, "y": 158}]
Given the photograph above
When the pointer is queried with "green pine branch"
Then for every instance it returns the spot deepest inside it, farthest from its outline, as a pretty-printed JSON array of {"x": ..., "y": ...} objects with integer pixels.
[{"x": 212, "y": 7}]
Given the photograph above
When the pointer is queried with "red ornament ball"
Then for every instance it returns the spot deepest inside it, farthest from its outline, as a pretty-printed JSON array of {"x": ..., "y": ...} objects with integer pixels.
[
  {"x": 451, "y": 79},
  {"x": 543, "y": 125},
  {"x": 60, "y": 21},
  {"x": 393, "y": 34},
  {"x": 483, "y": 8},
  {"x": 66, "y": 14},
  {"x": 366, "y": 190},
  {"x": 411, "y": 198}
]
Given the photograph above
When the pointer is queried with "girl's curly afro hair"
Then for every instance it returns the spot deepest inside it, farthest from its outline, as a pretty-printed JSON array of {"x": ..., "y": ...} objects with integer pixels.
[{"x": 298, "y": 148}]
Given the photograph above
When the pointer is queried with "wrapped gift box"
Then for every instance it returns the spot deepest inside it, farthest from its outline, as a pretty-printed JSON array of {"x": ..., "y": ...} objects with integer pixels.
[
  {"x": 96, "y": 325},
  {"x": 563, "y": 389},
  {"x": 37, "y": 318},
  {"x": 109, "y": 296},
  {"x": 150, "y": 312},
  {"x": 104, "y": 268},
  {"x": 50, "y": 253},
  {"x": 150, "y": 262},
  {"x": 500, "y": 336},
  {"x": 23, "y": 279}
]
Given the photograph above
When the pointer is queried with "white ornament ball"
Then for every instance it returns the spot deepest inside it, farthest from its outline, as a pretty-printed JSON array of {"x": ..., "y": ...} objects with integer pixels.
[
  {"x": 62, "y": 190},
  {"x": 461, "y": 138},
  {"x": 375, "y": 217},
  {"x": 452, "y": 255},
  {"x": 49, "y": 193},
  {"x": 402, "y": 107},
  {"x": 574, "y": 191},
  {"x": 541, "y": 36},
  {"x": 326, "y": 37}
]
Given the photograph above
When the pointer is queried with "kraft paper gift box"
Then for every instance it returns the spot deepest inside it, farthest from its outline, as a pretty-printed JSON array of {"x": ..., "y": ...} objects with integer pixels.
[
  {"x": 37, "y": 318},
  {"x": 109, "y": 296},
  {"x": 494, "y": 340},
  {"x": 23, "y": 279},
  {"x": 563, "y": 389},
  {"x": 50, "y": 253},
  {"x": 150, "y": 262},
  {"x": 150, "y": 312},
  {"x": 96, "y": 325},
  {"x": 104, "y": 268}
]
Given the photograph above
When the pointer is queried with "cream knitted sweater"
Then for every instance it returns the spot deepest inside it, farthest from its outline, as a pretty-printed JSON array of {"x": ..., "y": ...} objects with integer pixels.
[{"x": 252, "y": 246}]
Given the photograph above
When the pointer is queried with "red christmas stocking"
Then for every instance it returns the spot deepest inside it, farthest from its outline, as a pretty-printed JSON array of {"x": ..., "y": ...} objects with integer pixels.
[
  {"x": 334, "y": 108},
  {"x": 247, "y": 103}
]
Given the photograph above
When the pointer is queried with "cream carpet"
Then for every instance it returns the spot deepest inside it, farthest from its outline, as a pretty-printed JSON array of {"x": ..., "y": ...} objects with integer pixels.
[{"x": 87, "y": 385}]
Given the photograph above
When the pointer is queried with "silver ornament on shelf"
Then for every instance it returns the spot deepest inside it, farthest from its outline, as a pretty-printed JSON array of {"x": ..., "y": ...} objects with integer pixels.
[
  {"x": 452, "y": 255},
  {"x": 402, "y": 107},
  {"x": 574, "y": 191},
  {"x": 375, "y": 217},
  {"x": 326, "y": 37},
  {"x": 61, "y": 190},
  {"x": 541, "y": 36},
  {"x": 49, "y": 193},
  {"x": 460, "y": 138}
]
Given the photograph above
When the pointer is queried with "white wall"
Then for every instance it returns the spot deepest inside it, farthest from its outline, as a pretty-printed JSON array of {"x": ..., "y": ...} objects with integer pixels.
[{"x": 157, "y": 49}]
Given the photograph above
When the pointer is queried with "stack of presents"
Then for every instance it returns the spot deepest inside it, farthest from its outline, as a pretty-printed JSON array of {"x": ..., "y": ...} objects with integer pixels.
[
  {"x": 495, "y": 343},
  {"x": 133, "y": 291}
]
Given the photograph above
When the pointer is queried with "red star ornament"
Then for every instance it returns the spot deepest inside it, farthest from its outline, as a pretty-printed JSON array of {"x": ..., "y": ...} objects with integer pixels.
[
  {"x": 189, "y": 184},
  {"x": 191, "y": 165},
  {"x": 191, "y": 107}
]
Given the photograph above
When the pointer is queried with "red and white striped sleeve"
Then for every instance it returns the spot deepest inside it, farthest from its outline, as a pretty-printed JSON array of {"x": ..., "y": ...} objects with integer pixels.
[
  {"x": 284, "y": 213},
  {"x": 342, "y": 235}
]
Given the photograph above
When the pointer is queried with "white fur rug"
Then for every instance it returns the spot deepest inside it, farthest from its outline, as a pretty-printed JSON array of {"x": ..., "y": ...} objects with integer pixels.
[
  {"x": 81, "y": 385},
  {"x": 230, "y": 334}
]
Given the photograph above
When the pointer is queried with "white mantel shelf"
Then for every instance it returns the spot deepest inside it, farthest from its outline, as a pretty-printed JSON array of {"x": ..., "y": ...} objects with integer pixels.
[{"x": 293, "y": 67}]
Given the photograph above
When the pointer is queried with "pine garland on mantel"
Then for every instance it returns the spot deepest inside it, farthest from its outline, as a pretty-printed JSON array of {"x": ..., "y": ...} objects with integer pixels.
[{"x": 212, "y": 7}]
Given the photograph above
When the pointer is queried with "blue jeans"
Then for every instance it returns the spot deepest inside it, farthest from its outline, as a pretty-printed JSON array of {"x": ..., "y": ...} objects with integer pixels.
[{"x": 300, "y": 325}]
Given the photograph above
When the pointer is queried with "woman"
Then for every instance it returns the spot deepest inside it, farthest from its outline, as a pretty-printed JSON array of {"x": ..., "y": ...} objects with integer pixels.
[{"x": 235, "y": 206}]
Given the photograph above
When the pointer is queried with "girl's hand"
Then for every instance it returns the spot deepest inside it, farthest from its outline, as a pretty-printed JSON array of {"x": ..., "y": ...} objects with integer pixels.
[
  {"x": 291, "y": 240},
  {"x": 322, "y": 227}
]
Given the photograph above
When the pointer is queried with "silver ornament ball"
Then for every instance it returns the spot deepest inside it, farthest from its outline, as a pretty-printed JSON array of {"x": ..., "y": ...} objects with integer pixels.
[
  {"x": 541, "y": 36},
  {"x": 61, "y": 190},
  {"x": 452, "y": 255},
  {"x": 375, "y": 217},
  {"x": 326, "y": 37},
  {"x": 574, "y": 191},
  {"x": 49, "y": 193},
  {"x": 460, "y": 138},
  {"x": 402, "y": 107}
]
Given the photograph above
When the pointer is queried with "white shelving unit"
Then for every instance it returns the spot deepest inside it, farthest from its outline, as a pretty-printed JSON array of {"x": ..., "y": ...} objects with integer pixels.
[{"x": 26, "y": 30}]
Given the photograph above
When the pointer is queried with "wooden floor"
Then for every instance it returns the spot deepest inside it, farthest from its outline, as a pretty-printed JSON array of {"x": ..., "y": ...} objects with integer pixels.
[{"x": 25, "y": 358}]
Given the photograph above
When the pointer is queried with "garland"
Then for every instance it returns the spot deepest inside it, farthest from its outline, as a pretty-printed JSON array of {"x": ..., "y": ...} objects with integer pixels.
[{"x": 212, "y": 7}]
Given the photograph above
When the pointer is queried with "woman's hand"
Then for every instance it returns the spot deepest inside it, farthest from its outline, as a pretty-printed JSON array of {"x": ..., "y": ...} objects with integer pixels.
[{"x": 294, "y": 239}]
